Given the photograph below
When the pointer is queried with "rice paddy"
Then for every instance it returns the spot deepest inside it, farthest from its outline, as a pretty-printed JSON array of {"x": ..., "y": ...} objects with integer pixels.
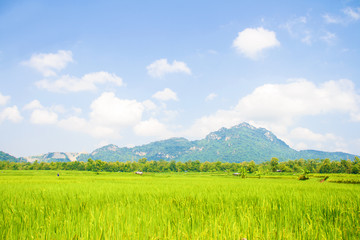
[{"x": 88, "y": 205}]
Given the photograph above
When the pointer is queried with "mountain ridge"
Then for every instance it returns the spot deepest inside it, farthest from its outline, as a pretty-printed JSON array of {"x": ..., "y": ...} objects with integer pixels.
[{"x": 242, "y": 142}]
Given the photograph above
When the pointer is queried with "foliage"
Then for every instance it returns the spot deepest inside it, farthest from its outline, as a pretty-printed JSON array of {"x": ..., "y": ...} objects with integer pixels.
[
  {"x": 144, "y": 165},
  {"x": 303, "y": 177}
]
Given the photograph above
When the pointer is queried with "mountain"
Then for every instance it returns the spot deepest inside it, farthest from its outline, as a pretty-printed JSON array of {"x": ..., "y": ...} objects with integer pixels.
[
  {"x": 240, "y": 143},
  {"x": 7, "y": 157},
  {"x": 54, "y": 157}
]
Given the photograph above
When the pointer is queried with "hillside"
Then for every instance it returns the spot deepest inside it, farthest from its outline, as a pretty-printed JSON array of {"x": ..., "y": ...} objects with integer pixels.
[
  {"x": 240, "y": 143},
  {"x": 7, "y": 157},
  {"x": 54, "y": 157}
]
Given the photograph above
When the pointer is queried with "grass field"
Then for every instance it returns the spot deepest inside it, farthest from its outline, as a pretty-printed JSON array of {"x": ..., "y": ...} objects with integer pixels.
[{"x": 86, "y": 205}]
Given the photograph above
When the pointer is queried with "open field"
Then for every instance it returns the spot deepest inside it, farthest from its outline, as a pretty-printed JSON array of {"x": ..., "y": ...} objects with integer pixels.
[{"x": 87, "y": 205}]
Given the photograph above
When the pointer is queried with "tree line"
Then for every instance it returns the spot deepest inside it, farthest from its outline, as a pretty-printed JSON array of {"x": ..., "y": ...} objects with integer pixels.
[{"x": 144, "y": 165}]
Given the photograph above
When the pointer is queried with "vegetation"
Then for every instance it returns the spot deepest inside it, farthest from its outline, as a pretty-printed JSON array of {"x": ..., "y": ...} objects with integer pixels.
[
  {"x": 87, "y": 205},
  {"x": 292, "y": 166},
  {"x": 7, "y": 157},
  {"x": 237, "y": 144}
]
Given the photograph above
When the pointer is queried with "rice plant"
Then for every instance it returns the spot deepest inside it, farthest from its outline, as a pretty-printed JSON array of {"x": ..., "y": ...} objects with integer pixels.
[{"x": 85, "y": 205}]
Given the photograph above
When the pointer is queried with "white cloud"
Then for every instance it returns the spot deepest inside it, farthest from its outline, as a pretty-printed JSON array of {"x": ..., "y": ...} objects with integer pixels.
[
  {"x": 278, "y": 106},
  {"x": 35, "y": 104},
  {"x": 353, "y": 13},
  {"x": 152, "y": 128},
  {"x": 73, "y": 123},
  {"x": 108, "y": 110},
  {"x": 307, "y": 38},
  {"x": 306, "y": 139},
  {"x": 210, "y": 97},
  {"x": 294, "y": 25},
  {"x": 213, "y": 122},
  {"x": 298, "y": 98},
  {"x": 4, "y": 99},
  {"x": 306, "y": 134},
  {"x": 73, "y": 84},
  {"x": 49, "y": 63},
  {"x": 161, "y": 67},
  {"x": 77, "y": 124},
  {"x": 58, "y": 108},
  {"x": 297, "y": 28},
  {"x": 329, "y": 37},
  {"x": 331, "y": 19},
  {"x": 76, "y": 110},
  {"x": 165, "y": 95},
  {"x": 12, "y": 114},
  {"x": 48, "y": 115},
  {"x": 43, "y": 116},
  {"x": 252, "y": 41},
  {"x": 149, "y": 105},
  {"x": 109, "y": 116}
]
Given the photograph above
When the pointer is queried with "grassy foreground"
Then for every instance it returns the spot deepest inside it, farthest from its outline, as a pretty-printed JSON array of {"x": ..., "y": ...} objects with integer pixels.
[{"x": 84, "y": 205}]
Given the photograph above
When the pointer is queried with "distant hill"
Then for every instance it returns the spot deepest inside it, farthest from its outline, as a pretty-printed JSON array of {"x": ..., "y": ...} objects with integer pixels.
[
  {"x": 54, "y": 157},
  {"x": 7, "y": 157},
  {"x": 240, "y": 143}
]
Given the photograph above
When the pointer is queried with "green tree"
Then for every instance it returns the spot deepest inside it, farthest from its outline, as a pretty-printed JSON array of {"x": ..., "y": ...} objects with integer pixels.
[
  {"x": 205, "y": 167},
  {"x": 325, "y": 166},
  {"x": 251, "y": 167},
  {"x": 274, "y": 164},
  {"x": 172, "y": 166}
]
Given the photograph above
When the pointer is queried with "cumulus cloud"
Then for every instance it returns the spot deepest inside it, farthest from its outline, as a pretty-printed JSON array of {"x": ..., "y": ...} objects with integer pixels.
[
  {"x": 43, "y": 116},
  {"x": 251, "y": 42},
  {"x": 279, "y": 106},
  {"x": 165, "y": 95},
  {"x": 108, "y": 110},
  {"x": 108, "y": 117},
  {"x": 49, "y": 63},
  {"x": 304, "y": 139},
  {"x": 306, "y": 134},
  {"x": 4, "y": 99},
  {"x": 210, "y": 97},
  {"x": 149, "y": 105},
  {"x": 88, "y": 82},
  {"x": 161, "y": 67},
  {"x": 82, "y": 125},
  {"x": 284, "y": 102},
  {"x": 35, "y": 104},
  {"x": 151, "y": 128},
  {"x": 12, "y": 114},
  {"x": 48, "y": 115}
]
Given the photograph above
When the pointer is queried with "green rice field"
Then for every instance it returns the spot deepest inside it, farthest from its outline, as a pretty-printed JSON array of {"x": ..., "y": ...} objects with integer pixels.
[{"x": 88, "y": 205}]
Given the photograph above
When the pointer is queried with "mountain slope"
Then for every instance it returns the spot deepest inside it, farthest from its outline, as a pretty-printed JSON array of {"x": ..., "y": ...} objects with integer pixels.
[
  {"x": 237, "y": 144},
  {"x": 7, "y": 157},
  {"x": 54, "y": 157}
]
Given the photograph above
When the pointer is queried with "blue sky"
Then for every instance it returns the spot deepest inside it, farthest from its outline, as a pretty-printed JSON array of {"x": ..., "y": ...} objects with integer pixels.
[{"x": 76, "y": 75}]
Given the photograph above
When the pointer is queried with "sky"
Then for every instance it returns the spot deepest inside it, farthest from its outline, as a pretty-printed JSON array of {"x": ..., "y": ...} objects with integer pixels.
[{"x": 78, "y": 75}]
